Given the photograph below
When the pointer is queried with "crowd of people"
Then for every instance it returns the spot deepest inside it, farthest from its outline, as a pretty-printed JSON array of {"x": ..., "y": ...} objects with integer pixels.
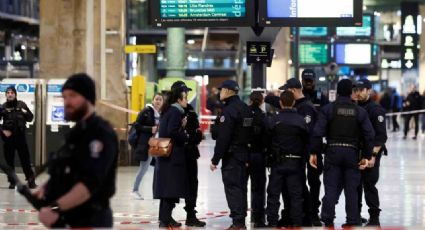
[{"x": 393, "y": 102}]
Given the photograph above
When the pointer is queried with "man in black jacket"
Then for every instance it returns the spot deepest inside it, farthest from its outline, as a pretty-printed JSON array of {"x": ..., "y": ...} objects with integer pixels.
[
  {"x": 413, "y": 102},
  {"x": 15, "y": 115}
]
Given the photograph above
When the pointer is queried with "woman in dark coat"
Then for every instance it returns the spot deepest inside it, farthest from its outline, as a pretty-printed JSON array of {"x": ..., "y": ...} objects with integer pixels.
[
  {"x": 146, "y": 126},
  {"x": 170, "y": 177}
]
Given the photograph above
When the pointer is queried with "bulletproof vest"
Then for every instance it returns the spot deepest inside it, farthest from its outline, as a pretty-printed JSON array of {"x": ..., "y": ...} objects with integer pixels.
[
  {"x": 13, "y": 117},
  {"x": 242, "y": 135},
  {"x": 286, "y": 132},
  {"x": 258, "y": 130},
  {"x": 344, "y": 127}
]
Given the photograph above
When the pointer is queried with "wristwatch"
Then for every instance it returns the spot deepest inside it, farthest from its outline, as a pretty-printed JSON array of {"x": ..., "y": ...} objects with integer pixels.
[{"x": 55, "y": 207}]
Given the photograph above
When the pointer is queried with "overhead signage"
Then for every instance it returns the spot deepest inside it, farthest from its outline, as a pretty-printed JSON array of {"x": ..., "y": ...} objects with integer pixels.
[
  {"x": 141, "y": 49},
  {"x": 314, "y": 54},
  {"x": 258, "y": 52},
  {"x": 310, "y": 13},
  {"x": 210, "y": 13},
  {"x": 409, "y": 35}
]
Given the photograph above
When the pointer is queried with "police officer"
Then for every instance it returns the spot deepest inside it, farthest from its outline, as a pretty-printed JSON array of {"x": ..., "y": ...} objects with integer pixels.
[
  {"x": 192, "y": 155},
  {"x": 15, "y": 115},
  {"x": 309, "y": 89},
  {"x": 307, "y": 110},
  {"x": 257, "y": 162},
  {"x": 370, "y": 175},
  {"x": 232, "y": 147},
  {"x": 344, "y": 124},
  {"x": 290, "y": 136},
  {"x": 83, "y": 172}
]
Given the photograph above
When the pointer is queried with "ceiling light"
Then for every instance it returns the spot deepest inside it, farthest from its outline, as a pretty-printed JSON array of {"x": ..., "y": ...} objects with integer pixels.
[{"x": 191, "y": 42}]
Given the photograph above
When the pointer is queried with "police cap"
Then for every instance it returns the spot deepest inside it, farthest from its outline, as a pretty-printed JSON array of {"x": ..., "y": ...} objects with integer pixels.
[
  {"x": 229, "y": 84},
  {"x": 308, "y": 74},
  {"x": 292, "y": 83},
  {"x": 363, "y": 84}
]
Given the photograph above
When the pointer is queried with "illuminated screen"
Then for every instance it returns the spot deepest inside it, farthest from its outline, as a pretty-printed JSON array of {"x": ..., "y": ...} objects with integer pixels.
[
  {"x": 353, "y": 54},
  {"x": 364, "y": 31},
  {"x": 210, "y": 13},
  {"x": 313, "y": 31},
  {"x": 313, "y": 54},
  {"x": 310, "y": 8}
]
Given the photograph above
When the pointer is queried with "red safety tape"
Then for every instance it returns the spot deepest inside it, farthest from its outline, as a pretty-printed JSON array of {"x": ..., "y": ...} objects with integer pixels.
[{"x": 210, "y": 215}]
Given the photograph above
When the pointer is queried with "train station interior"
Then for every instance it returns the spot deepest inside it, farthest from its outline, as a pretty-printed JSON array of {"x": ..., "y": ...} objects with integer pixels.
[{"x": 134, "y": 49}]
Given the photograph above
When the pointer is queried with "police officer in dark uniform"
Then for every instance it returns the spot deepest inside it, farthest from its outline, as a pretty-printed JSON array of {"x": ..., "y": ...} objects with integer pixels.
[
  {"x": 192, "y": 155},
  {"x": 309, "y": 89},
  {"x": 15, "y": 115},
  {"x": 83, "y": 172},
  {"x": 345, "y": 125},
  {"x": 370, "y": 175},
  {"x": 290, "y": 138},
  {"x": 232, "y": 147},
  {"x": 257, "y": 162},
  {"x": 308, "y": 111}
]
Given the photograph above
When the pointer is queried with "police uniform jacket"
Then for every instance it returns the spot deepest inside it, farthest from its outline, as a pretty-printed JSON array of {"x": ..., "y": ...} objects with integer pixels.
[
  {"x": 90, "y": 157},
  {"x": 326, "y": 115},
  {"x": 14, "y": 117},
  {"x": 233, "y": 140},
  {"x": 170, "y": 176},
  {"x": 377, "y": 117}
]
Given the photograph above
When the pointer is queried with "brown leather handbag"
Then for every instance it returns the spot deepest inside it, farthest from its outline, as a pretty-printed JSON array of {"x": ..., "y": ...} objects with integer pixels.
[{"x": 160, "y": 147}]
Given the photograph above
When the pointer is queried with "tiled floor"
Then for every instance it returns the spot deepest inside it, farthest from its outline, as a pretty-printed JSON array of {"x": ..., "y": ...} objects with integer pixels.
[{"x": 402, "y": 190}]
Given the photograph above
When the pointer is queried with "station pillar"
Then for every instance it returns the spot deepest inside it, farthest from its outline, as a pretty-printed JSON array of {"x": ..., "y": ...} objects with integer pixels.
[
  {"x": 87, "y": 36},
  {"x": 176, "y": 52}
]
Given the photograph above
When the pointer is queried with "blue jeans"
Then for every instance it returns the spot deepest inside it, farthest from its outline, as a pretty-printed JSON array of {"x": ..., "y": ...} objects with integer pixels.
[{"x": 143, "y": 168}]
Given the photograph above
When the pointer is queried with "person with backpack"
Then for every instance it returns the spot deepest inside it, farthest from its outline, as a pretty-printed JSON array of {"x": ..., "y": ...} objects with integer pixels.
[
  {"x": 146, "y": 126},
  {"x": 257, "y": 162}
]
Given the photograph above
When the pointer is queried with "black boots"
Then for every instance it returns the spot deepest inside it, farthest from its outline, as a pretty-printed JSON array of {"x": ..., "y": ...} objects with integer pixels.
[
  {"x": 31, "y": 183},
  {"x": 192, "y": 221},
  {"x": 374, "y": 219}
]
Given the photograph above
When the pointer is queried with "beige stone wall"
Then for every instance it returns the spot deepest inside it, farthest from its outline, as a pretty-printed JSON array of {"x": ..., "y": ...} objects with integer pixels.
[
  {"x": 422, "y": 53},
  {"x": 64, "y": 46}
]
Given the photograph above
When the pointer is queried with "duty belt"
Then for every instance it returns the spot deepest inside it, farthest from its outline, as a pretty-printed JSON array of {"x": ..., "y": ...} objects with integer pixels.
[
  {"x": 290, "y": 156},
  {"x": 345, "y": 145}
]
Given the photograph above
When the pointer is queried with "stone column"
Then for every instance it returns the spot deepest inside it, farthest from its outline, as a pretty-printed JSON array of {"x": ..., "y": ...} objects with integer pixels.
[
  {"x": 70, "y": 42},
  {"x": 176, "y": 52},
  {"x": 422, "y": 53}
]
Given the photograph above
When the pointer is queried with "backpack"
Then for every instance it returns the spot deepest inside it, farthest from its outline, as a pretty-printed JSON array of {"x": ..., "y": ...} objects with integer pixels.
[{"x": 132, "y": 136}]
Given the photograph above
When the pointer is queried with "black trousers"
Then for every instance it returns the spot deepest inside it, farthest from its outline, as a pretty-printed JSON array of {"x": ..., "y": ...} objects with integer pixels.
[
  {"x": 192, "y": 173},
  {"x": 235, "y": 187},
  {"x": 93, "y": 219},
  {"x": 407, "y": 122},
  {"x": 257, "y": 173},
  {"x": 18, "y": 143},
  {"x": 370, "y": 177},
  {"x": 313, "y": 178},
  {"x": 166, "y": 206},
  {"x": 289, "y": 174},
  {"x": 396, "y": 126}
]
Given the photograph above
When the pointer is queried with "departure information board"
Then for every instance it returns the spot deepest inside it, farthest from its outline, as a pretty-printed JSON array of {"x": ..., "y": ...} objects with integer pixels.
[
  {"x": 300, "y": 13},
  {"x": 313, "y": 54},
  {"x": 187, "y": 13}
]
